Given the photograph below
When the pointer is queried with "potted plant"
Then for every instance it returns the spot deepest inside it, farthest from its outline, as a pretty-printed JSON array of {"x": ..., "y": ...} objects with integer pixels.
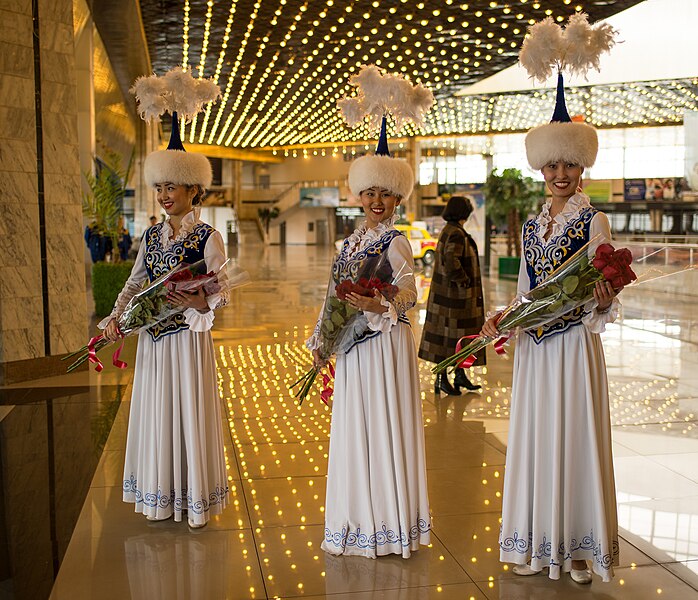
[
  {"x": 103, "y": 208},
  {"x": 266, "y": 215},
  {"x": 510, "y": 198}
]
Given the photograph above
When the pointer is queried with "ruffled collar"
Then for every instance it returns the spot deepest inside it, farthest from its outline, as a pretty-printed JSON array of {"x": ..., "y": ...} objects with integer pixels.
[
  {"x": 363, "y": 236},
  {"x": 574, "y": 205},
  {"x": 189, "y": 221}
]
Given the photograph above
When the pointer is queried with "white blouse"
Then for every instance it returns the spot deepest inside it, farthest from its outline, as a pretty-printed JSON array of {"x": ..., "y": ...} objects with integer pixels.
[
  {"x": 594, "y": 321},
  {"x": 214, "y": 255}
]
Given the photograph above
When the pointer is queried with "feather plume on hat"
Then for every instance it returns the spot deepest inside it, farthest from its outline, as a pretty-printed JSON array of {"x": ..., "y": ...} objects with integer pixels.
[
  {"x": 576, "y": 49},
  {"x": 380, "y": 94},
  {"x": 180, "y": 94}
]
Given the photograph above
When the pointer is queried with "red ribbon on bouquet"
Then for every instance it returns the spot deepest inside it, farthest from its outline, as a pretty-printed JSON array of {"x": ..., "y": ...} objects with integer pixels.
[
  {"x": 470, "y": 360},
  {"x": 327, "y": 389},
  {"x": 92, "y": 353}
]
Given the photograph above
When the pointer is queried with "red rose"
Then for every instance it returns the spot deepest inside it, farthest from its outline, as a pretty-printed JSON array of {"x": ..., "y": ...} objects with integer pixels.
[
  {"x": 602, "y": 256},
  {"x": 614, "y": 265}
]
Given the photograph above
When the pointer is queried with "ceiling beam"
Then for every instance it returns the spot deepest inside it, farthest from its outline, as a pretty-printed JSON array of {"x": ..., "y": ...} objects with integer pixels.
[
  {"x": 231, "y": 153},
  {"x": 120, "y": 26}
]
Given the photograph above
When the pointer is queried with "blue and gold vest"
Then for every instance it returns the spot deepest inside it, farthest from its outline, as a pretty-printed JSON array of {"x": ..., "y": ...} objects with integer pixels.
[
  {"x": 350, "y": 267},
  {"x": 543, "y": 258},
  {"x": 159, "y": 261}
]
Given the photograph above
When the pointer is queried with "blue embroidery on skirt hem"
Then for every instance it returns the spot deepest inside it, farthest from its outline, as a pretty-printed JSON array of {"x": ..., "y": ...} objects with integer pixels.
[
  {"x": 524, "y": 546},
  {"x": 358, "y": 539},
  {"x": 160, "y": 500}
]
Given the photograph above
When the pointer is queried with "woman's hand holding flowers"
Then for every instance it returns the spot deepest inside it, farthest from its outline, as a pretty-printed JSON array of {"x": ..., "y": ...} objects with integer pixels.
[
  {"x": 604, "y": 295},
  {"x": 367, "y": 303},
  {"x": 196, "y": 300},
  {"x": 111, "y": 331},
  {"x": 489, "y": 329}
]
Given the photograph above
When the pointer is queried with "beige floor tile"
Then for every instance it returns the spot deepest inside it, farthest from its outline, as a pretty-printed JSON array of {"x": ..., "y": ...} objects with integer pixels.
[
  {"x": 450, "y": 449},
  {"x": 284, "y": 460},
  {"x": 638, "y": 476},
  {"x": 466, "y": 490},
  {"x": 686, "y": 570},
  {"x": 681, "y": 464},
  {"x": 473, "y": 540},
  {"x": 457, "y": 591},
  {"x": 106, "y": 514},
  {"x": 285, "y": 429},
  {"x": 162, "y": 564},
  {"x": 640, "y": 583},
  {"x": 293, "y": 564},
  {"x": 286, "y": 501}
]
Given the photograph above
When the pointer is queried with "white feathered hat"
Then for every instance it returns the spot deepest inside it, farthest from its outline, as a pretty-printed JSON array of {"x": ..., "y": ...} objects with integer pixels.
[
  {"x": 178, "y": 93},
  {"x": 380, "y": 94},
  {"x": 576, "y": 49}
]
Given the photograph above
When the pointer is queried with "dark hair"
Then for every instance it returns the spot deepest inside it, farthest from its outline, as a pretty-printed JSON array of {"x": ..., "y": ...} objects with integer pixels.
[
  {"x": 457, "y": 209},
  {"x": 200, "y": 194}
]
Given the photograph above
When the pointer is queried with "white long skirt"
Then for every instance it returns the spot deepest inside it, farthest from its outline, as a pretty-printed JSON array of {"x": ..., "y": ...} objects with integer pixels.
[
  {"x": 377, "y": 500},
  {"x": 174, "y": 450},
  {"x": 559, "y": 500}
]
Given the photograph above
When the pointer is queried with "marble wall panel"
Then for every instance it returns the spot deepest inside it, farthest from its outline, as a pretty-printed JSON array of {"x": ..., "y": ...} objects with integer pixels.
[
  {"x": 19, "y": 187},
  {"x": 63, "y": 250},
  {"x": 16, "y": 60},
  {"x": 16, "y": 28},
  {"x": 56, "y": 10},
  {"x": 23, "y": 7},
  {"x": 19, "y": 282},
  {"x": 59, "y": 68},
  {"x": 16, "y": 91},
  {"x": 57, "y": 97},
  {"x": 62, "y": 188},
  {"x": 26, "y": 342},
  {"x": 19, "y": 249},
  {"x": 56, "y": 36},
  {"x": 20, "y": 220},
  {"x": 61, "y": 126},
  {"x": 60, "y": 217},
  {"x": 18, "y": 156},
  {"x": 17, "y": 123},
  {"x": 61, "y": 159},
  {"x": 19, "y": 313},
  {"x": 68, "y": 337}
]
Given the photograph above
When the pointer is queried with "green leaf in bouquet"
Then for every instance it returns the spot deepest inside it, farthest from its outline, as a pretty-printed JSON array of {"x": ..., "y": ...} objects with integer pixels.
[
  {"x": 327, "y": 326},
  {"x": 583, "y": 262},
  {"x": 569, "y": 284},
  {"x": 338, "y": 319},
  {"x": 556, "y": 306}
]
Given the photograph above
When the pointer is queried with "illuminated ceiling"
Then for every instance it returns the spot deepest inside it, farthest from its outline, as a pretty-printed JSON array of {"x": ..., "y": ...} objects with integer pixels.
[{"x": 282, "y": 64}]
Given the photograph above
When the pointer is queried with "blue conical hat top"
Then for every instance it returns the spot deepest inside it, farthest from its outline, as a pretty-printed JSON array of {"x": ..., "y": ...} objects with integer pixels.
[
  {"x": 560, "y": 115},
  {"x": 175, "y": 140},
  {"x": 382, "y": 147}
]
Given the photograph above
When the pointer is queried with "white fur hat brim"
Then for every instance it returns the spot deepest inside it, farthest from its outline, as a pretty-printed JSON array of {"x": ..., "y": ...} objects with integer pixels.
[
  {"x": 385, "y": 172},
  {"x": 572, "y": 142},
  {"x": 178, "y": 167}
]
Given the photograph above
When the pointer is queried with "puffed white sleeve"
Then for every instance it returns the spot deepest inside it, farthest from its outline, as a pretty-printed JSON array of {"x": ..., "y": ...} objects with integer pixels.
[
  {"x": 402, "y": 264},
  {"x": 594, "y": 320},
  {"x": 133, "y": 285},
  {"x": 214, "y": 255}
]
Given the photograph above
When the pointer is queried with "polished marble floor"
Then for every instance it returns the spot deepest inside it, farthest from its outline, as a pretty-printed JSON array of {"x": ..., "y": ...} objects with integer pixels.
[{"x": 266, "y": 544}]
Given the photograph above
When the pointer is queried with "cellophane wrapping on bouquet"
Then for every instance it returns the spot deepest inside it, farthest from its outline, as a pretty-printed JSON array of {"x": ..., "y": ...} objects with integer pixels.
[
  {"x": 570, "y": 286},
  {"x": 341, "y": 325},
  {"x": 151, "y": 306}
]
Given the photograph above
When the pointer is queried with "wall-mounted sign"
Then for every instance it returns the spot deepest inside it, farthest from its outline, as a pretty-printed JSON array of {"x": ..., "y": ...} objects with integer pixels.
[{"x": 322, "y": 196}]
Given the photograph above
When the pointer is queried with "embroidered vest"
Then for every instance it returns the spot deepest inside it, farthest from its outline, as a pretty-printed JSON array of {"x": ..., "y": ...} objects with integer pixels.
[
  {"x": 543, "y": 258},
  {"x": 351, "y": 267},
  {"x": 159, "y": 261}
]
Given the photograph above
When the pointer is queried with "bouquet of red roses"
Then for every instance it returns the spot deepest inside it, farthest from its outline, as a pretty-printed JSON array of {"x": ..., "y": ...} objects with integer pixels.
[
  {"x": 340, "y": 324},
  {"x": 151, "y": 305},
  {"x": 570, "y": 286}
]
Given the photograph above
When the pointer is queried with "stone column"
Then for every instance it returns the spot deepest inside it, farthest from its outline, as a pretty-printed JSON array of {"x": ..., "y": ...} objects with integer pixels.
[{"x": 42, "y": 284}]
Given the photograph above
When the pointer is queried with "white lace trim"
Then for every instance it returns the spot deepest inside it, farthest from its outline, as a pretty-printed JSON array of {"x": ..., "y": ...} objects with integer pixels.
[
  {"x": 189, "y": 221},
  {"x": 363, "y": 236},
  {"x": 571, "y": 210}
]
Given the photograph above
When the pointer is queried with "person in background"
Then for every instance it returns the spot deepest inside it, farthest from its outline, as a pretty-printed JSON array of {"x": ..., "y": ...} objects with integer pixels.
[{"x": 455, "y": 307}]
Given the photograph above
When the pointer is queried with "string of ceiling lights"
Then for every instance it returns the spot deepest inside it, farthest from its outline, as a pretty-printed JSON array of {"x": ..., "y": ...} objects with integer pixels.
[{"x": 291, "y": 60}]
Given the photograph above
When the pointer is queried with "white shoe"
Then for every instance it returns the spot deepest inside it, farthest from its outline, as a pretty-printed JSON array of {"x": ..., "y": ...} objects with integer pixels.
[
  {"x": 524, "y": 570},
  {"x": 194, "y": 525},
  {"x": 582, "y": 576},
  {"x": 149, "y": 518}
]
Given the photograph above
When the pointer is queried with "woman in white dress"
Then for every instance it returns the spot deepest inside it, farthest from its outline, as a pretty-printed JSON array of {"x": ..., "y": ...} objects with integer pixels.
[
  {"x": 174, "y": 451},
  {"x": 376, "y": 482},
  {"x": 559, "y": 506}
]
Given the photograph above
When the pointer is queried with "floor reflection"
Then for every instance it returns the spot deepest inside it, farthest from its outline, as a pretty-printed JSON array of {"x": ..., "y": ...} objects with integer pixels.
[{"x": 266, "y": 544}]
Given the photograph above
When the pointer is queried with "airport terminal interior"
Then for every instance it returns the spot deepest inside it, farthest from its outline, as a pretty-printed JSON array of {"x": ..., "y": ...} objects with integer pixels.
[{"x": 76, "y": 203}]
